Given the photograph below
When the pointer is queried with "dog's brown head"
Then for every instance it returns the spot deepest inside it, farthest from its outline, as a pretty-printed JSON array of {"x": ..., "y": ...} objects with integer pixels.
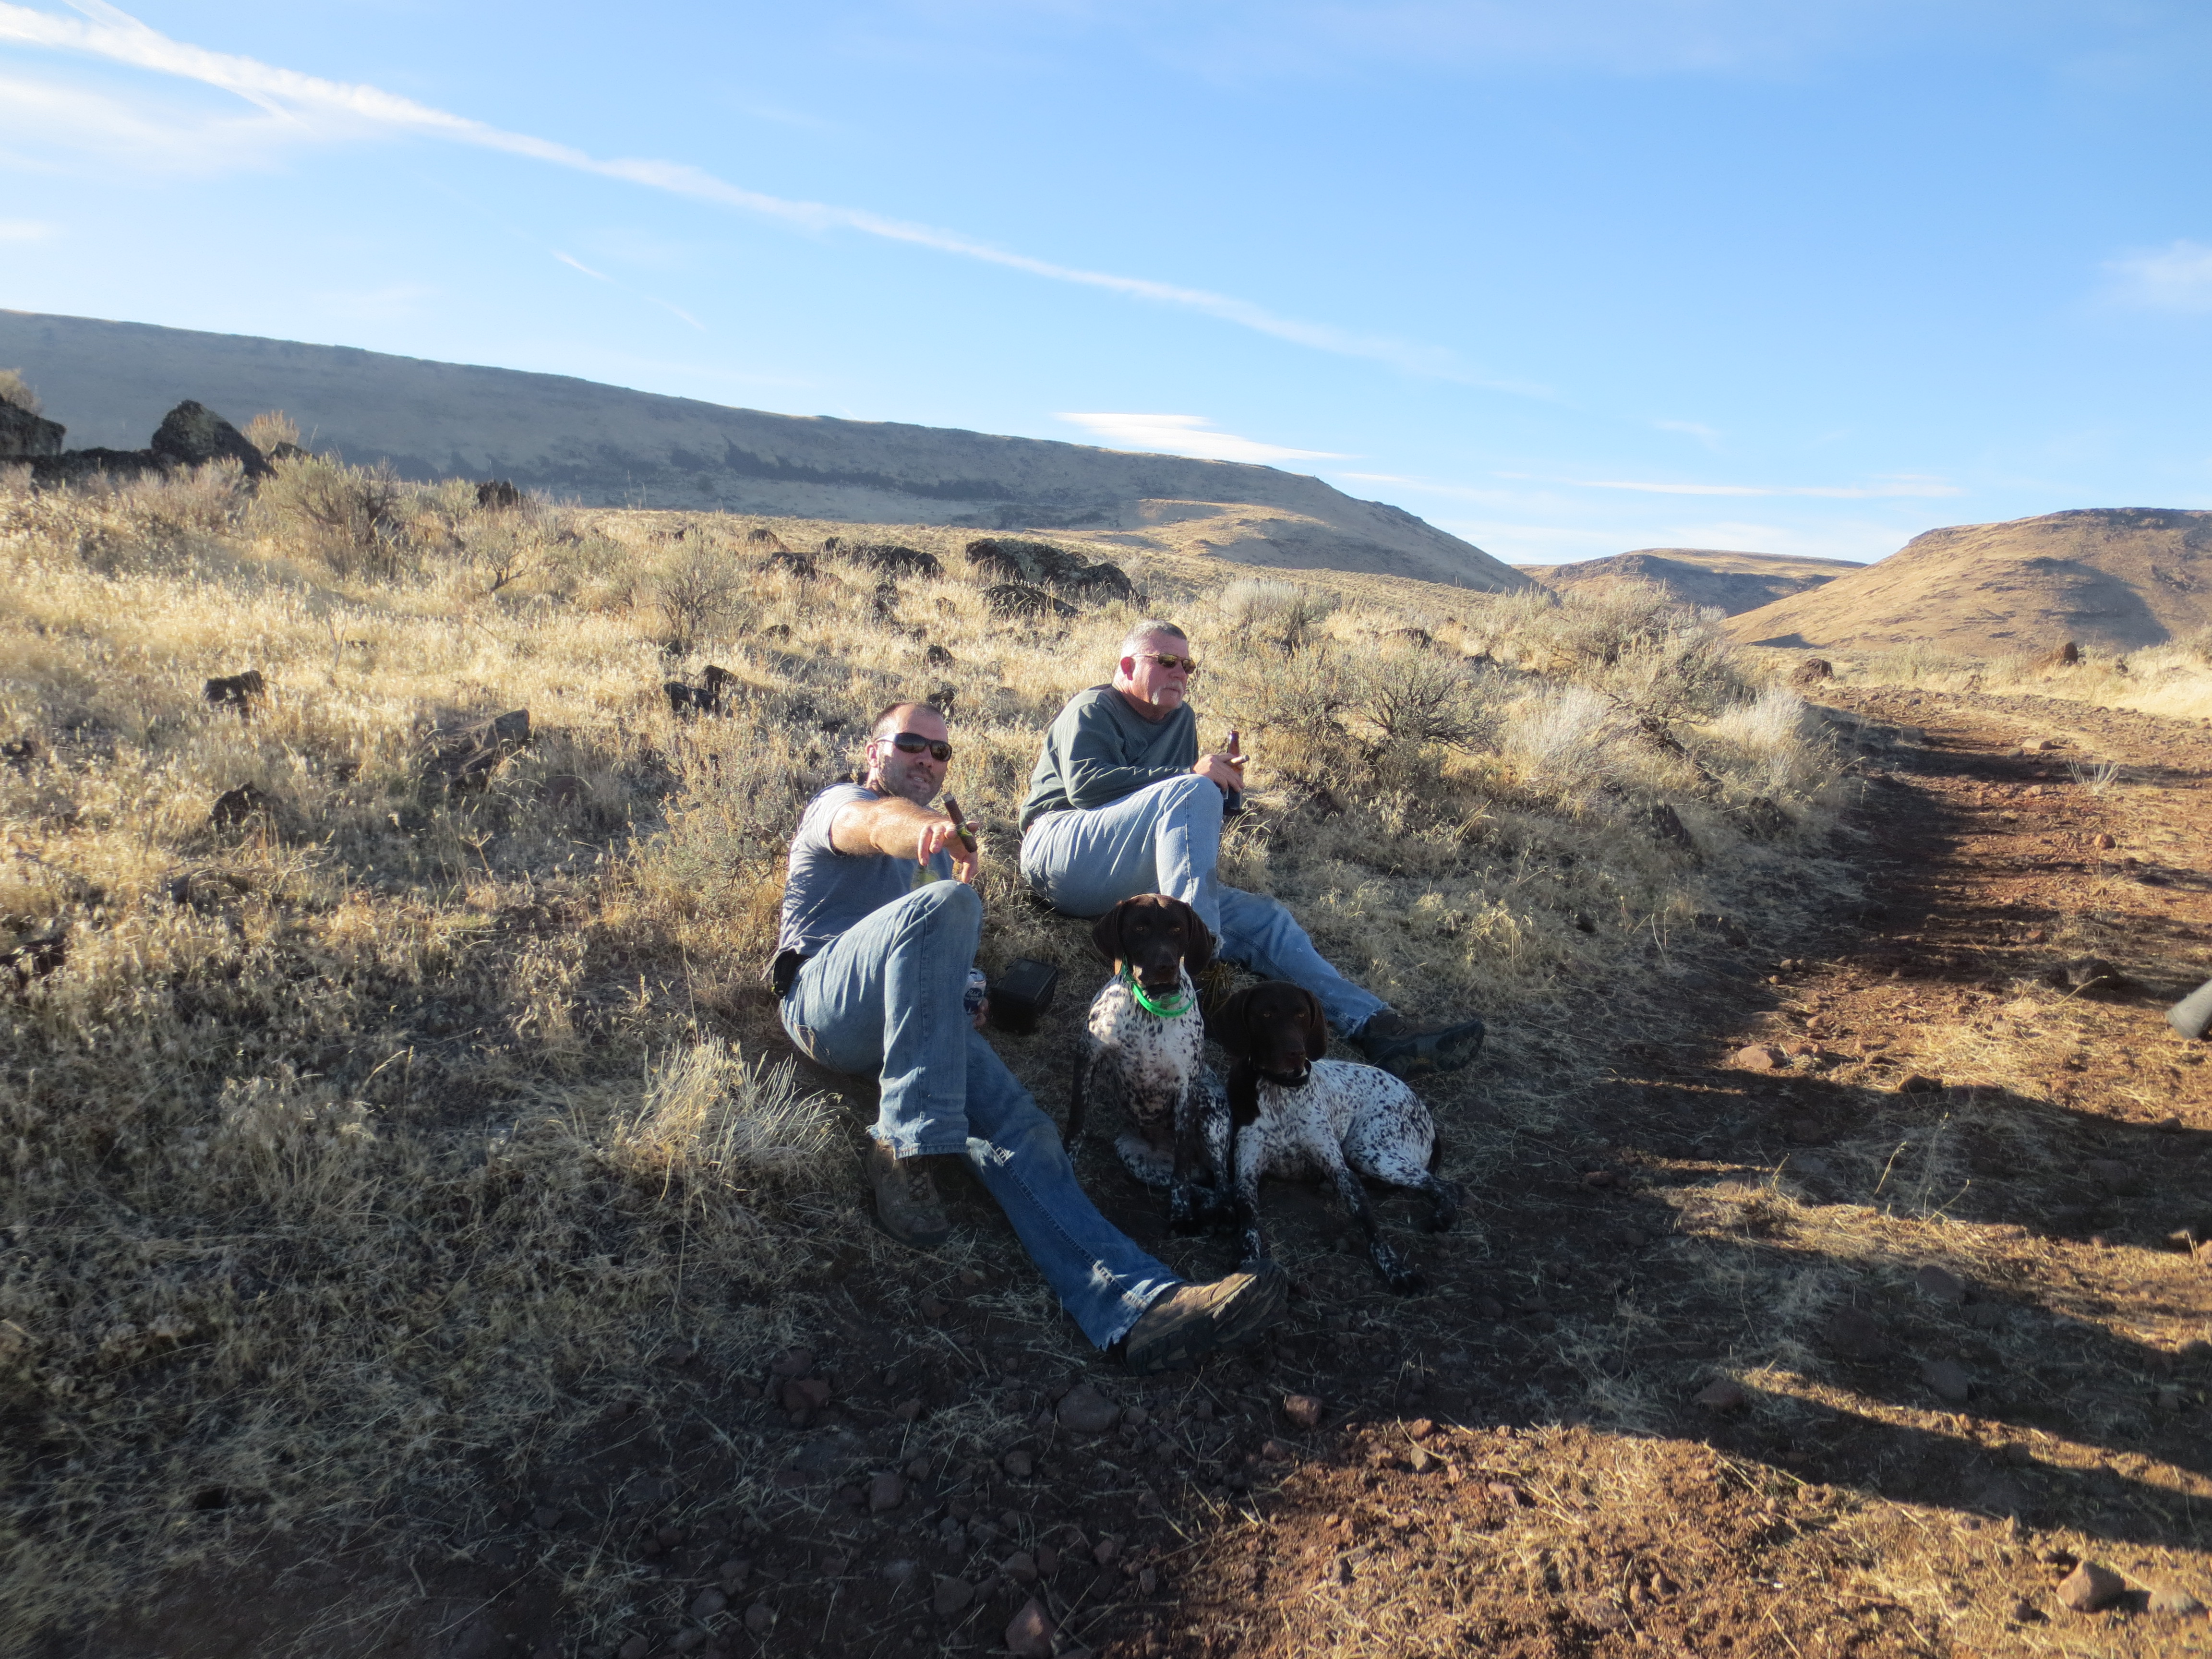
[
  {"x": 1276, "y": 1027},
  {"x": 1157, "y": 936}
]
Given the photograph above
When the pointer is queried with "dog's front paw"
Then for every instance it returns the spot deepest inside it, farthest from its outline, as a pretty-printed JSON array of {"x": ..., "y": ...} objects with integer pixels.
[
  {"x": 1445, "y": 1211},
  {"x": 1397, "y": 1273},
  {"x": 1188, "y": 1213},
  {"x": 1216, "y": 1207}
]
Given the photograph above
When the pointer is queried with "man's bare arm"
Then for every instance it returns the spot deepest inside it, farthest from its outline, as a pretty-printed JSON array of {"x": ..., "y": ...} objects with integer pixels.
[{"x": 899, "y": 829}]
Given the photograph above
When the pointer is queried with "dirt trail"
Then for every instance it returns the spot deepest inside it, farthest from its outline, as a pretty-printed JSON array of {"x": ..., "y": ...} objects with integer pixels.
[
  {"x": 1683, "y": 1383},
  {"x": 1892, "y": 1460}
]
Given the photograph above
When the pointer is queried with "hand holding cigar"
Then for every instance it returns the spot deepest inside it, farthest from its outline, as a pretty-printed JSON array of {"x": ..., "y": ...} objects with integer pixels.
[
  {"x": 1225, "y": 772},
  {"x": 967, "y": 854},
  {"x": 961, "y": 827}
]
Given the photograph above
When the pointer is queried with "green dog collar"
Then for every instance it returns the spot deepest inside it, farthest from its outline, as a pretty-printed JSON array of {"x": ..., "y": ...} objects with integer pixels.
[{"x": 1174, "y": 1007}]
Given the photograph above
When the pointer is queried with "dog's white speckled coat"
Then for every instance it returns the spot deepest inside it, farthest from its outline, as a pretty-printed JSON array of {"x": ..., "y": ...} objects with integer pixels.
[
  {"x": 1344, "y": 1121},
  {"x": 1148, "y": 1067}
]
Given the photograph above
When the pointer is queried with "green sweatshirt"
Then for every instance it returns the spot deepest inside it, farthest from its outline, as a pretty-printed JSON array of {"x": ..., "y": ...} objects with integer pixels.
[{"x": 1100, "y": 750}]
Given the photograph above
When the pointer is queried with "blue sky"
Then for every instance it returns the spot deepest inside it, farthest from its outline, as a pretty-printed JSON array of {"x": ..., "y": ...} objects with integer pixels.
[{"x": 1566, "y": 278}]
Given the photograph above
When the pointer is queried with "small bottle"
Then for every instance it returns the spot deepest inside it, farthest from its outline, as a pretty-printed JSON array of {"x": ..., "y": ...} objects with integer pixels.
[{"x": 978, "y": 988}]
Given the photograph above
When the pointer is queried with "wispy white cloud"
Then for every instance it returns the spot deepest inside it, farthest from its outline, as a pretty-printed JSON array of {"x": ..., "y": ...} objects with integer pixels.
[
  {"x": 1428, "y": 487},
  {"x": 674, "y": 310},
  {"x": 314, "y": 108},
  {"x": 27, "y": 230},
  {"x": 1881, "y": 489},
  {"x": 1889, "y": 488},
  {"x": 1188, "y": 435},
  {"x": 575, "y": 263},
  {"x": 48, "y": 116},
  {"x": 2177, "y": 278}
]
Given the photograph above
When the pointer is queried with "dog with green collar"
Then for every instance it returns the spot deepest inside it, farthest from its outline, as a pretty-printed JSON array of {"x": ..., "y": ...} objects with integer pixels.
[{"x": 1141, "y": 1051}]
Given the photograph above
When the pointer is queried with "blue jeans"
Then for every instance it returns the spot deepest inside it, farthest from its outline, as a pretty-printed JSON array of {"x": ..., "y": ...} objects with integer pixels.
[
  {"x": 1166, "y": 838},
  {"x": 886, "y": 998}
]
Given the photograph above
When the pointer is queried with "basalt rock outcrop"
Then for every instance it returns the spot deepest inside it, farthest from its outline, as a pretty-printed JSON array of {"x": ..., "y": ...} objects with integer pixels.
[
  {"x": 190, "y": 434},
  {"x": 1040, "y": 564},
  {"x": 25, "y": 436}
]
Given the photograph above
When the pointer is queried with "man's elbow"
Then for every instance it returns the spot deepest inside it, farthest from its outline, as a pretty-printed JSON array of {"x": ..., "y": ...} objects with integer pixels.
[{"x": 851, "y": 832}]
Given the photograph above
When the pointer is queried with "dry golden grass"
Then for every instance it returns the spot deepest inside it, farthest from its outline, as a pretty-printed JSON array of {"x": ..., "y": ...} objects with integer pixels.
[
  {"x": 363, "y": 1151},
  {"x": 2173, "y": 680}
]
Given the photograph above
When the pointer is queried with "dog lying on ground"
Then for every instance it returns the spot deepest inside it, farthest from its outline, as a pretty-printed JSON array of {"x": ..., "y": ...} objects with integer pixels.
[
  {"x": 1140, "y": 1051},
  {"x": 1291, "y": 1112}
]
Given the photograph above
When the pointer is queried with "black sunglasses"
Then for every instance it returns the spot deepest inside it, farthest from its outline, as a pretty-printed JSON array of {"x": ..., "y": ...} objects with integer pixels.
[{"x": 913, "y": 743}]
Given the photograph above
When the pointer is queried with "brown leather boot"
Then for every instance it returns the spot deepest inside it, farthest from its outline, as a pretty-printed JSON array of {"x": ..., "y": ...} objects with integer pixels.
[
  {"x": 906, "y": 1199},
  {"x": 1192, "y": 1321},
  {"x": 1406, "y": 1050}
]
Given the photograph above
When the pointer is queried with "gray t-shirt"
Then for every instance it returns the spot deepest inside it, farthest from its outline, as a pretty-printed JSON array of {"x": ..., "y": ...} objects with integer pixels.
[{"x": 827, "y": 891}]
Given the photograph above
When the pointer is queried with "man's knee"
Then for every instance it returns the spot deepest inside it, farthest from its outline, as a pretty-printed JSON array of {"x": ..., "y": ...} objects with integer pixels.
[
  {"x": 1192, "y": 794},
  {"x": 945, "y": 902},
  {"x": 1256, "y": 922},
  {"x": 1253, "y": 912}
]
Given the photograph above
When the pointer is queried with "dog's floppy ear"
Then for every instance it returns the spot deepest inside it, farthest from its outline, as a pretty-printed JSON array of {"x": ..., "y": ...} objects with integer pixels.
[
  {"x": 1314, "y": 1025},
  {"x": 1106, "y": 934},
  {"x": 1200, "y": 951},
  {"x": 1229, "y": 1027}
]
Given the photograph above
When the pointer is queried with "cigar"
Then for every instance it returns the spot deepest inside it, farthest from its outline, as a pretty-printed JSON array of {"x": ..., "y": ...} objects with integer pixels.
[{"x": 960, "y": 822}]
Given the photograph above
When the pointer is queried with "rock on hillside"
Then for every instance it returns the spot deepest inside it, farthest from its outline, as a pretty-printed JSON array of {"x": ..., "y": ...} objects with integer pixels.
[
  {"x": 2119, "y": 577},
  {"x": 190, "y": 434},
  {"x": 1729, "y": 582},
  {"x": 23, "y": 434},
  {"x": 608, "y": 446}
]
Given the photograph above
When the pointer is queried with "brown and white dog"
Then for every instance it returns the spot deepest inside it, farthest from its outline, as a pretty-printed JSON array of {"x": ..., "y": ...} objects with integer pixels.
[
  {"x": 1146, "y": 1060},
  {"x": 1290, "y": 1112}
]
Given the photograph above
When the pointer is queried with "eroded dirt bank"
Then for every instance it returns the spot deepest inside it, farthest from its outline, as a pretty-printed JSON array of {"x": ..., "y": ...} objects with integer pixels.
[{"x": 1855, "y": 1296}]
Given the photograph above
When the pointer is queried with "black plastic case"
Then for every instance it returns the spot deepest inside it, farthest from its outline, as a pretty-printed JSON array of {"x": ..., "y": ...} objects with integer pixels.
[{"x": 1022, "y": 995}]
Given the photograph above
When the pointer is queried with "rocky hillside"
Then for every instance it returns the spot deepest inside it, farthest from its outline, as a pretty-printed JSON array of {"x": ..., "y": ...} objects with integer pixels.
[
  {"x": 2119, "y": 577},
  {"x": 1729, "y": 582},
  {"x": 606, "y": 446}
]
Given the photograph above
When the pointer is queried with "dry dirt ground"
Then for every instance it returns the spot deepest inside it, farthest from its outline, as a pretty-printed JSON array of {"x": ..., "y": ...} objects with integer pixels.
[{"x": 1683, "y": 1383}]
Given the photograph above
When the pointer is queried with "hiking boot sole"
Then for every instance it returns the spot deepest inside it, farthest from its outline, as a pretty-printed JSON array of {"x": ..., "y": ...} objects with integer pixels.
[
  {"x": 1428, "y": 1052},
  {"x": 1236, "y": 1321}
]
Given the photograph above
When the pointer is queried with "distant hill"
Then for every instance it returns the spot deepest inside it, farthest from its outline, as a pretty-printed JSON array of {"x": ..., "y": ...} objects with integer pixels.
[
  {"x": 605, "y": 446},
  {"x": 1731, "y": 582},
  {"x": 2119, "y": 577}
]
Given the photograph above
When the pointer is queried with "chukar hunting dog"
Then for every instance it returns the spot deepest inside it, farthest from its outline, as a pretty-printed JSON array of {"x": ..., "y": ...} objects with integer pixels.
[
  {"x": 1140, "y": 1051},
  {"x": 1291, "y": 1112}
]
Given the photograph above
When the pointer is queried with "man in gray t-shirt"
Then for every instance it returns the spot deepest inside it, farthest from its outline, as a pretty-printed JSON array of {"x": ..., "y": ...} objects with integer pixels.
[
  {"x": 1122, "y": 803},
  {"x": 881, "y": 919}
]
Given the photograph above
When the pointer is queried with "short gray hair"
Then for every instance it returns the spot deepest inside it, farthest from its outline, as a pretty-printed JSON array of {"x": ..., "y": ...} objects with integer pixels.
[{"x": 1143, "y": 630}]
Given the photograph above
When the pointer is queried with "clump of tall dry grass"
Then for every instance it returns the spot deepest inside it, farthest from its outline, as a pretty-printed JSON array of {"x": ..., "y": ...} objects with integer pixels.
[
  {"x": 377, "y": 1133},
  {"x": 2174, "y": 679},
  {"x": 15, "y": 389}
]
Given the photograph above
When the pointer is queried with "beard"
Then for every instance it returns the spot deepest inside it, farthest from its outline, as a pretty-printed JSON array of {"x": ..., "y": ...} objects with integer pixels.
[{"x": 899, "y": 776}]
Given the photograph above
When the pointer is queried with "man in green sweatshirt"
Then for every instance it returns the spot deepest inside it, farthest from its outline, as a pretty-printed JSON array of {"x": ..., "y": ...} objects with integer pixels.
[{"x": 1122, "y": 803}]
